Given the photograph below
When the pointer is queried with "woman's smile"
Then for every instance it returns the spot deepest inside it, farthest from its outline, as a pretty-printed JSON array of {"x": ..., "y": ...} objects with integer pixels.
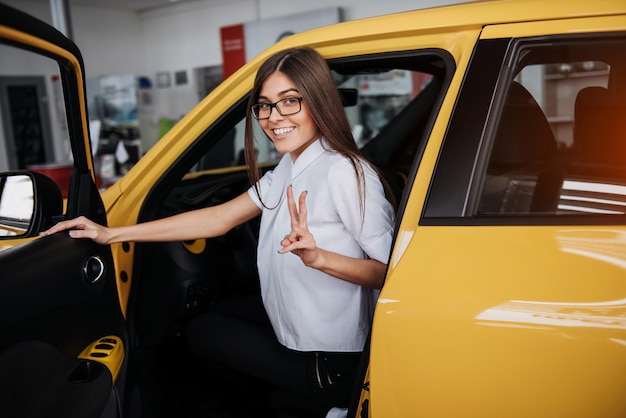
[{"x": 282, "y": 131}]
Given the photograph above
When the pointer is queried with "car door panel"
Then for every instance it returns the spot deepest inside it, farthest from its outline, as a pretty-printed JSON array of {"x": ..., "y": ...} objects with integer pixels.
[
  {"x": 62, "y": 332},
  {"x": 50, "y": 313},
  {"x": 516, "y": 298},
  {"x": 39, "y": 381},
  {"x": 44, "y": 286}
]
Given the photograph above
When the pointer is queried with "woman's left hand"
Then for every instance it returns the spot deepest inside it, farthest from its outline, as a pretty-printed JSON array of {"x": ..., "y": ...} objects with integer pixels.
[{"x": 299, "y": 241}]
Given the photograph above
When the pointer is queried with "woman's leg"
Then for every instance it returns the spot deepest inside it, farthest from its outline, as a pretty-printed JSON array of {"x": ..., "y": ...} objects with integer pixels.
[{"x": 238, "y": 335}]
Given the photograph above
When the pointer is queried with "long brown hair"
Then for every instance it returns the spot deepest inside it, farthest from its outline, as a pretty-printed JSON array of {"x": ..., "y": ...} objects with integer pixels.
[{"x": 311, "y": 75}]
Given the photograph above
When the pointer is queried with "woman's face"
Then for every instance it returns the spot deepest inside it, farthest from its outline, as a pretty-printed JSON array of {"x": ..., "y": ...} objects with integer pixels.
[{"x": 293, "y": 133}]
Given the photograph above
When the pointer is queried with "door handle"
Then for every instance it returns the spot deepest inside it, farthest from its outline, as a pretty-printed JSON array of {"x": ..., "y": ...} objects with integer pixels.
[{"x": 93, "y": 269}]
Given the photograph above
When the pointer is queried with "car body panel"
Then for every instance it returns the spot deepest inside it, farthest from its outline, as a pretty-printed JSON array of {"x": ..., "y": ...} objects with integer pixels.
[
  {"x": 58, "y": 295},
  {"x": 484, "y": 333},
  {"x": 503, "y": 318}
]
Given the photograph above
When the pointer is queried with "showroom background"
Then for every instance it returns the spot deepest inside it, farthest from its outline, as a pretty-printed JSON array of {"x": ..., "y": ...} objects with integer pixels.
[{"x": 173, "y": 54}]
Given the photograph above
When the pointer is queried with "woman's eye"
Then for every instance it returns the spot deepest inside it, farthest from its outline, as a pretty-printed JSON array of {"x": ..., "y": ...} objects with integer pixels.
[
  {"x": 264, "y": 106},
  {"x": 290, "y": 101}
]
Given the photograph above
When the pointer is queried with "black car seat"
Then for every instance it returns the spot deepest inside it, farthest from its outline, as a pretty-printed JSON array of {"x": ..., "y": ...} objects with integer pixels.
[
  {"x": 394, "y": 148},
  {"x": 524, "y": 174},
  {"x": 600, "y": 127}
]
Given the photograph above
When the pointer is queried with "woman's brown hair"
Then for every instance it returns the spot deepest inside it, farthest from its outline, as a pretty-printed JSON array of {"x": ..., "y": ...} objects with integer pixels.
[{"x": 311, "y": 75}]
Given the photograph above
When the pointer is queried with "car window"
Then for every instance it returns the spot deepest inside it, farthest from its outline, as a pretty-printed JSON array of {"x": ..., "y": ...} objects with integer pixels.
[
  {"x": 33, "y": 124},
  {"x": 388, "y": 101},
  {"x": 381, "y": 97},
  {"x": 397, "y": 96},
  {"x": 559, "y": 147}
]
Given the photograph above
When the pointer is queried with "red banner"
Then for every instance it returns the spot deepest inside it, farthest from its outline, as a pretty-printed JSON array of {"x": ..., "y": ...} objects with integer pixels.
[{"x": 233, "y": 48}]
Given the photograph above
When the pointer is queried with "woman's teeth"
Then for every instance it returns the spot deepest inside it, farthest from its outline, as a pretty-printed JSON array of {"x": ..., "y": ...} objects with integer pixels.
[{"x": 282, "y": 131}]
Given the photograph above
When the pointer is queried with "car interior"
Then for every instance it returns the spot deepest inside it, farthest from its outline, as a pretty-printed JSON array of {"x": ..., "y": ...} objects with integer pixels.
[
  {"x": 536, "y": 166},
  {"x": 176, "y": 281}
]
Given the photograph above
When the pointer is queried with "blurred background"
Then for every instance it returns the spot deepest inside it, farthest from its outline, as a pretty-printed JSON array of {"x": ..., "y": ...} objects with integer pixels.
[{"x": 147, "y": 63}]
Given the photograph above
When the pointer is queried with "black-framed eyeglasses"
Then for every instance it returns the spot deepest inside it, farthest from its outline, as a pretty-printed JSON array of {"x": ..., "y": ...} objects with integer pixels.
[{"x": 285, "y": 107}]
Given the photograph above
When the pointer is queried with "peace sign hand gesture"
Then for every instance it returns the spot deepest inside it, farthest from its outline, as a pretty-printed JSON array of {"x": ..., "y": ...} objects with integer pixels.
[
  {"x": 364, "y": 272},
  {"x": 299, "y": 241}
]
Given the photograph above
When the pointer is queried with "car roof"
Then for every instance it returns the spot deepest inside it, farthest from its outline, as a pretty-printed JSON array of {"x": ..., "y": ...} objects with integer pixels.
[
  {"x": 470, "y": 15},
  {"x": 486, "y": 12}
]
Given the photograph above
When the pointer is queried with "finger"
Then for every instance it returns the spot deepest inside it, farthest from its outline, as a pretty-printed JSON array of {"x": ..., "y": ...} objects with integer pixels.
[
  {"x": 302, "y": 212},
  {"x": 83, "y": 233},
  {"x": 288, "y": 240},
  {"x": 292, "y": 247},
  {"x": 64, "y": 225},
  {"x": 291, "y": 204}
]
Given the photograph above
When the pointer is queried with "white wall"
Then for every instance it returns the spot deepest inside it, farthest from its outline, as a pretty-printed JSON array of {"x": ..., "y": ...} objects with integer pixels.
[
  {"x": 353, "y": 9},
  {"x": 184, "y": 37},
  {"x": 110, "y": 40}
]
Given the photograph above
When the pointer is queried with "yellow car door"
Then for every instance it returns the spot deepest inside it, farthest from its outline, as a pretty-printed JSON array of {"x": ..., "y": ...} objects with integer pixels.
[
  {"x": 507, "y": 286},
  {"x": 62, "y": 333}
]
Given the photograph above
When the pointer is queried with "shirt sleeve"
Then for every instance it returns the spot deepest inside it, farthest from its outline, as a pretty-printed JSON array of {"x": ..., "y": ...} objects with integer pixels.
[{"x": 370, "y": 224}]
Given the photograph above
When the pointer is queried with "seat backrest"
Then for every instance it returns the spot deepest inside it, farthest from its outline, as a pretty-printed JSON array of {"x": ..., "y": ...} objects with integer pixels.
[
  {"x": 600, "y": 127},
  {"x": 523, "y": 174},
  {"x": 394, "y": 148},
  {"x": 524, "y": 136}
]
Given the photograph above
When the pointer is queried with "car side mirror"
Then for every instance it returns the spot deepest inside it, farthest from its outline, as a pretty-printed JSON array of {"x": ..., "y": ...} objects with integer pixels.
[{"x": 29, "y": 204}]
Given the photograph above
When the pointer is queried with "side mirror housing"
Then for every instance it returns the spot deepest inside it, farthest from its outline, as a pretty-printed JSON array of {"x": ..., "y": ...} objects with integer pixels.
[{"x": 29, "y": 203}]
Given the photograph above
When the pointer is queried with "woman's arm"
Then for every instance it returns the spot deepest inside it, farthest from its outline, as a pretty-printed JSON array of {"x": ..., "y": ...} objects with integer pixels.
[
  {"x": 200, "y": 223},
  {"x": 364, "y": 272}
]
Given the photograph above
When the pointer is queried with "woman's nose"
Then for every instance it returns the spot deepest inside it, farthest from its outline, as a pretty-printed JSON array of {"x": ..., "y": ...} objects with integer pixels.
[{"x": 275, "y": 114}]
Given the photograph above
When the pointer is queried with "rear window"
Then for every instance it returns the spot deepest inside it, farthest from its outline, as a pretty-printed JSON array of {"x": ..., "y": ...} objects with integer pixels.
[{"x": 559, "y": 147}]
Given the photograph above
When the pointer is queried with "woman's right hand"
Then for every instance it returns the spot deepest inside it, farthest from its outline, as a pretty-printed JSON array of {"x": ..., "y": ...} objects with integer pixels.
[{"x": 81, "y": 227}]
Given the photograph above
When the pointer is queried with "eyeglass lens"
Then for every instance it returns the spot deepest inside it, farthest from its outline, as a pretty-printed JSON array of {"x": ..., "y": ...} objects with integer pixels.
[{"x": 285, "y": 107}]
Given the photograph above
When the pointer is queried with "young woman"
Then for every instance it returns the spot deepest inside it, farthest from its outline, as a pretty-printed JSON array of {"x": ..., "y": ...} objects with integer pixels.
[{"x": 324, "y": 241}]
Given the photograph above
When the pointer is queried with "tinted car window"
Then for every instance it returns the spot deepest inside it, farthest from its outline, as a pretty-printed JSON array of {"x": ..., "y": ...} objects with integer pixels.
[
  {"x": 559, "y": 147},
  {"x": 381, "y": 96},
  {"x": 389, "y": 102}
]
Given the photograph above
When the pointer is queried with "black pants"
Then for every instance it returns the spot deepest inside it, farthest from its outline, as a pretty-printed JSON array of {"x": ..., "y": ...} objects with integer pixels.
[{"x": 237, "y": 335}]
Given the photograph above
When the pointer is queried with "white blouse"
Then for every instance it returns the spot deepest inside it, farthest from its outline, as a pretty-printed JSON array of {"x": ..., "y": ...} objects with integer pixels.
[{"x": 311, "y": 310}]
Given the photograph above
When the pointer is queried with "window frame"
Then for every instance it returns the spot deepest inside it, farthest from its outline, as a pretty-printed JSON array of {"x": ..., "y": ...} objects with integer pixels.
[{"x": 457, "y": 180}]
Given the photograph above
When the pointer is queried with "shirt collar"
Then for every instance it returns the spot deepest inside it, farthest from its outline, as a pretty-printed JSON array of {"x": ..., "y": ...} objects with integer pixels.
[{"x": 310, "y": 154}]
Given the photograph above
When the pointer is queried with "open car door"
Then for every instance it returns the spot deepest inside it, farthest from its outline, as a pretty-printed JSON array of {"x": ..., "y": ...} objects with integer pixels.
[{"x": 62, "y": 331}]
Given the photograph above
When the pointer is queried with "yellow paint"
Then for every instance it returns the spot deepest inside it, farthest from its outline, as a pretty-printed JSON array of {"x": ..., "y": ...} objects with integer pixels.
[
  {"x": 196, "y": 246},
  {"x": 108, "y": 350}
]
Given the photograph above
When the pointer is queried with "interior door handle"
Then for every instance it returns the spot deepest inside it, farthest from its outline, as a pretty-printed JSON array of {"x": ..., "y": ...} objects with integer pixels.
[{"x": 93, "y": 269}]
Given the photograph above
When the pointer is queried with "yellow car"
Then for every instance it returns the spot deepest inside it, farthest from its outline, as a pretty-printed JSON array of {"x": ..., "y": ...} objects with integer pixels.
[{"x": 501, "y": 127}]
